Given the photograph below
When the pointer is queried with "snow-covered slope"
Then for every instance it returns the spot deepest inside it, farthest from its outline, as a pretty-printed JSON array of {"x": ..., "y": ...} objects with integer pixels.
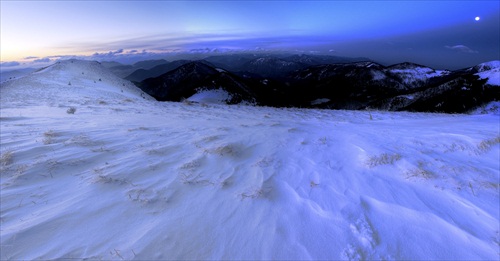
[
  {"x": 14, "y": 74},
  {"x": 128, "y": 178},
  {"x": 490, "y": 71},
  {"x": 489, "y": 108},
  {"x": 412, "y": 74},
  {"x": 74, "y": 80}
]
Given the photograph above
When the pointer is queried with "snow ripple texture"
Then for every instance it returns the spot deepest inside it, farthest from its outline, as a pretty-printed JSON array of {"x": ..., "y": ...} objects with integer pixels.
[{"x": 124, "y": 177}]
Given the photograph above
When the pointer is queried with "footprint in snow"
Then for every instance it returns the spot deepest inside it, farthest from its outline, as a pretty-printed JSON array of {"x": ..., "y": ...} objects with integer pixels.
[
  {"x": 366, "y": 237},
  {"x": 363, "y": 231}
]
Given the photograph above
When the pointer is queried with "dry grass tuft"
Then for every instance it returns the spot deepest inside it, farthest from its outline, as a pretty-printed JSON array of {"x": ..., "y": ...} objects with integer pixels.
[
  {"x": 71, "y": 110},
  {"x": 420, "y": 172},
  {"x": 254, "y": 193},
  {"x": 226, "y": 150},
  {"x": 6, "y": 158},
  {"x": 187, "y": 102},
  {"x": 48, "y": 137},
  {"x": 383, "y": 159},
  {"x": 195, "y": 179},
  {"x": 192, "y": 164},
  {"x": 486, "y": 145},
  {"x": 265, "y": 162}
]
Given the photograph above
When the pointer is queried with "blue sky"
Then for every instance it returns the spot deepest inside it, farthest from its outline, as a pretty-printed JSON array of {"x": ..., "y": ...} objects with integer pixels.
[{"x": 438, "y": 33}]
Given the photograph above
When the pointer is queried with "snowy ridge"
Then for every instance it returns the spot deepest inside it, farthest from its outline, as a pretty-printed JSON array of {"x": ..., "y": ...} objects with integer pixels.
[
  {"x": 266, "y": 61},
  {"x": 71, "y": 78},
  {"x": 490, "y": 71},
  {"x": 413, "y": 73},
  {"x": 15, "y": 74},
  {"x": 491, "y": 65},
  {"x": 490, "y": 108},
  {"x": 128, "y": 178}
]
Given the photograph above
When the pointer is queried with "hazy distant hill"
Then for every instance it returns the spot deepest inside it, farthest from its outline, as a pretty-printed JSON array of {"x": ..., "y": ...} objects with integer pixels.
[
  {"x": 123, "y": 70},
  {"x": 142, "y": 74}
]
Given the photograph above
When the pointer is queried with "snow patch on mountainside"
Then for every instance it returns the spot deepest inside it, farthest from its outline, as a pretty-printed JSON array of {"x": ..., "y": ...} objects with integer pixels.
[
  {"x": 490, "y": 71},
  {"x": 490, "y": 108},
  {"x": 418, "y": 74},
  {"x": 378, "y": 75},
  {"x": 320, "y": 101},
  {"x": 218, "y": 96},
  {"x": 487, "y": 66}
]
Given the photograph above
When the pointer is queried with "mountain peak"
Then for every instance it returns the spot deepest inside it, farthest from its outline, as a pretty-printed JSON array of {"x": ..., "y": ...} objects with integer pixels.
[
  {"x": 195, "y": 68},
  {"x": 490, "y": 71},
  {"x": 368, "y": 64},
  {"x": 407, "y": 65},
  {"x": 491, "y": 65}
]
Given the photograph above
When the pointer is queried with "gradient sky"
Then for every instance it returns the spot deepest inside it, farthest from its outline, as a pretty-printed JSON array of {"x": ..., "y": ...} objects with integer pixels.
[{"x": 443, "y": 34}]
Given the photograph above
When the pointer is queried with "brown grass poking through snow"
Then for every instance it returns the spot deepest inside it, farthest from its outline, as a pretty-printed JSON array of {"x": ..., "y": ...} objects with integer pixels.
[
  {"x": 6, "y": 158},
  {"x": 71, "y": 110},
  {"x": 48, "y": 137},
  {"x": 420, "y": 172},
  {"x": 383, "y": 159},
  {"x": 486, "y": 145}
]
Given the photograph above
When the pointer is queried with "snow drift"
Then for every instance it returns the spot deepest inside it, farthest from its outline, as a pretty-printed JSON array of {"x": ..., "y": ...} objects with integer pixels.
[{"x": 126, "y": 177}]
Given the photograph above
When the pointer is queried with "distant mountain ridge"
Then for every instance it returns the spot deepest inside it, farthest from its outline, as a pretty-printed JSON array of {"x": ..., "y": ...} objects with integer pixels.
[
  {"x": 187, "y": 79},
  {"x": 142, "y": 74},
  {"x": 291, "y": 82},
  {"x": 305, "y": 81},
  {"x": 241, "y": 64}
]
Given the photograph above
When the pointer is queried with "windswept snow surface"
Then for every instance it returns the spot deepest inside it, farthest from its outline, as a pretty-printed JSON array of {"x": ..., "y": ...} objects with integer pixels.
[{"x": 125, "y": 177}]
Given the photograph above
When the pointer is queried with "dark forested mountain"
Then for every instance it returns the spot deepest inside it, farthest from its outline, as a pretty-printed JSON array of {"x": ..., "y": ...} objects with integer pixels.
[
  {"x": 142, "y": 74},
  {"x": 304, "y": 81},
  {"x": 178, "y": 83},
  {"x": 271, "y": 67},
  {"x": 187, "y": 79}
]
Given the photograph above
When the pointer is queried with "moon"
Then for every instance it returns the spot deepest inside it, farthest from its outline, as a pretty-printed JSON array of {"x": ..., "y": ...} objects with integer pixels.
[{"x": 477, "y": 18}]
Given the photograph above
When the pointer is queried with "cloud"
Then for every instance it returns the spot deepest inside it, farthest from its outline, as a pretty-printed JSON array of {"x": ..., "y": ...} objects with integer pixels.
[
  {"x": 31, "y": 57},
  {"x": 108, "y": 54},
  {"x": 184, "y": 42},
  {"x": 461, "y": 48},
  {"x": 9, "y": 64},
  {"x": 154, "y": 46},
  {"x": 64, "y": 57},
  {"x": 43, "y": 60}
]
